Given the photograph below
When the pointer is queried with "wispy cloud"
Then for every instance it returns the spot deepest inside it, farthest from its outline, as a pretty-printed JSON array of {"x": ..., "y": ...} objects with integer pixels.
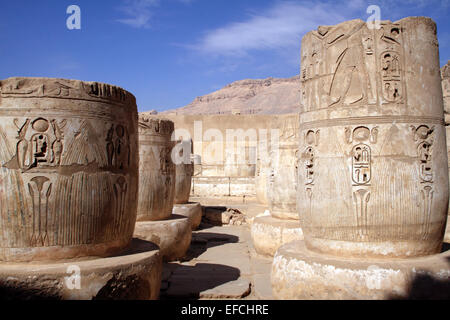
[
  {"x": 279, "y": 27},
  {"x": 138, "y": 12}
]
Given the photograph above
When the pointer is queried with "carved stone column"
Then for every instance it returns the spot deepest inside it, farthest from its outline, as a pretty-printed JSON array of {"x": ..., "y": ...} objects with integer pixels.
[
  {"x": 262, "y": 172},
  {"x": 68, "y": 177},
  {"x": 445, "y": 75},
  {"x": 282, "y": 182},
  {"x": 280, "y": 224},
  {"x": 375, "y": 184},
  {"x": 184, "y": 173},
  {"x": 378, "y": 182},
  {"x": 156, "y": 169},
  {"x": 156, "y": 223},
  {"x": 68, "y": 190}
]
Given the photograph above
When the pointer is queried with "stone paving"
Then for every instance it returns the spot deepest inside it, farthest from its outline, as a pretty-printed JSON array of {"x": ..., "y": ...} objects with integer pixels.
[{"x": 220, "y": 264}]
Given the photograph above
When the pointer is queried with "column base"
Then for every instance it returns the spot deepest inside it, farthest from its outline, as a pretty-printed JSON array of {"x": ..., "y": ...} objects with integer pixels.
[
  {"x": 173, "y": 236},
  {"x": 299, "y": 274},
  {"x": 269, "y": 233},
  {"x": 134, "y": 275},
  {"x": 192, "y": 211}
]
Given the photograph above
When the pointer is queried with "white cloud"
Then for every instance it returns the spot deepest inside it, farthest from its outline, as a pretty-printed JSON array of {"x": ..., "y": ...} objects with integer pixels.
[
  {"x": 138, "y": 11},
  {"x": 279, "y": 27}
]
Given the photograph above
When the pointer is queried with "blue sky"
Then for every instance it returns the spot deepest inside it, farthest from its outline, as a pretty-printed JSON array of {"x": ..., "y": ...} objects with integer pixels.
[{"x": 167, "y": 52}]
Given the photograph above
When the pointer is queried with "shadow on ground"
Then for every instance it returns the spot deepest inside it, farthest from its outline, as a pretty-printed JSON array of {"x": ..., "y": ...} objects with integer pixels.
[
  {"x": 202, "y": 241},
  {"x": 188, "y": 282}
]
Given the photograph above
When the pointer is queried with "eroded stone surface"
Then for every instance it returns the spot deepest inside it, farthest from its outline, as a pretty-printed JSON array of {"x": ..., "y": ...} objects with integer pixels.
[
  {"x": 136, "y": 274},
  {"x": 269, "y": 233},
  {"x": 262, "y": 173},
  {"x": 173, "y": 235},
  {"x": 445, "y": 75},
  {"x": 192, "y": 211},
  {"x": 68, "y": 174},
  {"x": 282, "y": 184},
  {"x": 373, "y": 179},
  {"x": 156, "y": 169},
  {"x": 298, "y": 273},
  {"x": 218, "y": 216},
  {"x": 184, "y": 172}
]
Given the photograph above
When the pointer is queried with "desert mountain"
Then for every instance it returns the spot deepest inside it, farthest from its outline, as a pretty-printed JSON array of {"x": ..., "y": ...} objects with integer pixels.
[{"x": 261, "y": 96}]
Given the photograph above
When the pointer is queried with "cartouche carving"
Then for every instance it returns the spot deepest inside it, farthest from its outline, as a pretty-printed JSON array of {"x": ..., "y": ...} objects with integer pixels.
[
  {"x": 67, "y": 181},
  {"x": 378, "y": 188}
]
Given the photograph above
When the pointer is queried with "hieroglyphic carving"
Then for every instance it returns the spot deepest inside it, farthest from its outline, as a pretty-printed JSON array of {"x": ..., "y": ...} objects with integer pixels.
[
  {"x": 85, "y": 148},
  {"x": 118, "y": 147},
  {"x": 361, "y": 164},
  {"x": 362, "y": 137},
  {"x": 361, "y": 152},
  {"x": 165, "y": 160},
  {"x": 42, "y": 145},
  {"x": 427, "y": 198},
  {"x": 379, "y": 194},
  {"x": 39, "y": 150},
  {"x": 40, "y": 189},
  {"x": 340, "y": 66},
  {"x": 120, "y": 192},
  {"x": 311, "y": 139},
  {"x": 155, "y": 126},
  {"x": 361, "y": 199},
  {"x": 60, "y": 197},
  {"x": 391, "y": 76},
  {"x": 63, "y": 89},
  {"x": 391, "y": 62},
  {"x": 424, "y": 135}
]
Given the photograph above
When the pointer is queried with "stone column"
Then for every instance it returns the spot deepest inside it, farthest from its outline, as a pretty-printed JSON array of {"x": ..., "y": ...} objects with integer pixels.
[
  {"x": 281, "y": 223},
  {"x": 262, "y": 172},
  {"x": 183, "y": 182},
  {"x": 373, "y": 176},
  {"x": 445, "y": 75},
  {"x": 156, "y": 223},
  {"x": 68, "y": 186}
]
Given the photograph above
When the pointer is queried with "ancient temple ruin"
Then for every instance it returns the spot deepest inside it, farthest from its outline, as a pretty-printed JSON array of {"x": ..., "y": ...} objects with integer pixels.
[
  {"x": 69, "y": 181},
  {"x": 156, "y": 223},
  {"x": 378, "y": 188},
  {"x": 345, "y": 198}
]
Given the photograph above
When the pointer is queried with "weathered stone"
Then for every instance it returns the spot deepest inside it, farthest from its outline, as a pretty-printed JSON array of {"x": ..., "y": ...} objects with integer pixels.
[
  {"x": 283, "y": 172},
  {"x": 219, "y": 216},
  {"x": 223, "y": 186},
  {"x": 156, "y": 169},
  {"x": 298, "y": 273},
  {"x": 373, "y": 179},
  {"x": 136, "y": 274},
  {"x": 269, "y": 233},
  {"x": 184, "y": 172},
  {"x": 68, "y": 170},
  {"x": 192, "y": 211},
  {"x": 262, "y": 173},
  {"x": 445, "y": 75},
  {"x": 236, "y": 289},
  {"x": 173, "y": 235}
]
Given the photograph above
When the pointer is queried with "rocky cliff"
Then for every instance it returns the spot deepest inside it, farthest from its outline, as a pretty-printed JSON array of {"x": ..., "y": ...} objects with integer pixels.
[{"x": 265, "y": 96}]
